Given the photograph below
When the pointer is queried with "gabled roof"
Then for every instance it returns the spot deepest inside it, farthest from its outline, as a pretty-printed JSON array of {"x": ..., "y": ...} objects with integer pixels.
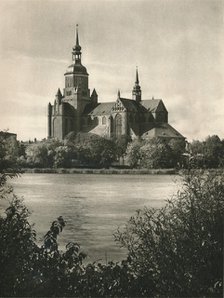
[
  {"x": 103, "y": 108},
  {"x": 152, "y": 104},
  {"x": 130, "y": 104},
  {"x": 162, "y": 130}
]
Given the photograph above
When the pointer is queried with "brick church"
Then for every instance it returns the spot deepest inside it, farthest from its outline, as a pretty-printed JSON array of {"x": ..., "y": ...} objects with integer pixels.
[{"x": 75, "y": 110}]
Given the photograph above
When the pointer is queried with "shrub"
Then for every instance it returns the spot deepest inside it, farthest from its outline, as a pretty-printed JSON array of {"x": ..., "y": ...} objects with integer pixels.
[{"x": 177, "y": 250}]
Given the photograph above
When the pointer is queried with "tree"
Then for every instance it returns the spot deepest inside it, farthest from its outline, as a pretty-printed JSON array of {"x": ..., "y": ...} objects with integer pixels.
[
  {"x": 156, "y": 153},
  {"x": 208, "y": 153},
  {"x": 133, "y": 155},
  {"x": 177, "y": 250},
  {"x": 178, "y": 148},
  {"x": 213, "y": 151}
]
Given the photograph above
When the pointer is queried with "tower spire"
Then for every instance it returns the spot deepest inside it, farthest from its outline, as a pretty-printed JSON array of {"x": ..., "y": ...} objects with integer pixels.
[
  {"x": 76, "y": 53},
  {"x": 118, "y": 93},
  {"x": 77, "y": 35},
  {"x": 137, "y": 80},
  {"x": 136, "y": 91}
]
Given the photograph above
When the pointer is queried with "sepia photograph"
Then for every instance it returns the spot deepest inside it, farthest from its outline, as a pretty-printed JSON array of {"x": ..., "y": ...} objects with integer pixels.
[{"x": 111, "y": 148}]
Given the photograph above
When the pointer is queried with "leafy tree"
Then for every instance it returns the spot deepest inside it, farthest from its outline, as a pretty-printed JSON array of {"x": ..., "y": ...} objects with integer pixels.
[
  {"x": 214, "y": 151},
  {"x": 208, "y": 153},
  {"x": 37, "y": 155},
  {"x": 156, "y": 153},
  {"x": 121, "y": 145},
  {"x": 63, "y": 156},
  {"x": 133, "y": 155},
  {"x": 178, "y": 148},
  {"x": 17, "y": 247},
  {"x": 177, "y": 250}
]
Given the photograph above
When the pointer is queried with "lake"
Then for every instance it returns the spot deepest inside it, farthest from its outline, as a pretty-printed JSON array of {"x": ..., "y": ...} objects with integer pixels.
[{"x": 93, "y": 206}]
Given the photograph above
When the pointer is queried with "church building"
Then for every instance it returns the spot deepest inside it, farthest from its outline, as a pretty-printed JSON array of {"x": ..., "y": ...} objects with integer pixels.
[{"x": 75, "y": 110}]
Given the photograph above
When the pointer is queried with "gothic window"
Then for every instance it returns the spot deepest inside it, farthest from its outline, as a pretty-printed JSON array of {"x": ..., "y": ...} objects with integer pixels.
[
  {"x": 104, "y": 120},
  {"x": 118, "y": 125}
]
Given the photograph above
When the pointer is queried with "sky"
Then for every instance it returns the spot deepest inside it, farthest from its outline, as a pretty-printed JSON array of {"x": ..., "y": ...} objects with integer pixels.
[{"x": 176, "y": 44}]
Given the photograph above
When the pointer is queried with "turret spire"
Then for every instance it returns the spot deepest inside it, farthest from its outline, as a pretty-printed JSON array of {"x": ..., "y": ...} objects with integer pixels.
[
  {"x": 77, "y": 35},
  {"x": 136, "y": 92},
  {"x": 76, "y": 53},
  {"x": 118, "y": 93},
  {"x": 137, "y": 80}
]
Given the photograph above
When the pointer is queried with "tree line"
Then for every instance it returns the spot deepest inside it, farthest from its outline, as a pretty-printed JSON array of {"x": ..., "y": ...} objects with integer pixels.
[{"x": 88, "y": 150}]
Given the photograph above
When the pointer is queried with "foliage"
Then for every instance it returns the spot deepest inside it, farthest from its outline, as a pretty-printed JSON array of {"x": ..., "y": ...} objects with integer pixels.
[
  {"x": 17, "y": 247},
  {"x": 8, "y": 153},
  {"x": 121, "y": 144},
  {"x": 133, "y": 155},
  {"x": 208, "y": 153},
  {"x": 155, "y": 153},
  {"x": 177, "y": 250}
]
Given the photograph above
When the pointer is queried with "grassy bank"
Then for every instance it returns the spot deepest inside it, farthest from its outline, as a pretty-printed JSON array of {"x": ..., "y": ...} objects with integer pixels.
[{"x": 101, "y": 171}]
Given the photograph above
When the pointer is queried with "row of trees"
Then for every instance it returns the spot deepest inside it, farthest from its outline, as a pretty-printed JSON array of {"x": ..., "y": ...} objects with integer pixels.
[{"x": 93, "y": 151}]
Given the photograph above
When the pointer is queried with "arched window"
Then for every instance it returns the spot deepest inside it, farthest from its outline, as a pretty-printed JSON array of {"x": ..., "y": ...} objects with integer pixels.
[
  {"x": 118, "y": 125},
  {"x": 104, "y": 120}
]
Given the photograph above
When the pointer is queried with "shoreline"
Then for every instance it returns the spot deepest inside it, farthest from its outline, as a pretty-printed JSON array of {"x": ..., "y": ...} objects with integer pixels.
[{"x": 100, "y": 171}]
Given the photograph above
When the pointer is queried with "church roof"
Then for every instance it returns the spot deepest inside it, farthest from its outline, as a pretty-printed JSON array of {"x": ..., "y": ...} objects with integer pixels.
[
  {"x": 75, "y": 68},
  {"x": 130, "y": 104},
  {"x": 103, "y": 108},
  {"x": 162, "y": 130},
  {"x": 151, "y": 104}
]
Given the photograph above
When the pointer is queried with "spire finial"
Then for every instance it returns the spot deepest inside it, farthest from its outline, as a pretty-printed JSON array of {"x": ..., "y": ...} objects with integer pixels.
[
  {"x": 137, "y": 80},
  {"x": 76, "y": 53},
  {"x": 77, "y": 34},
  {"x": 118, "y": 94}
]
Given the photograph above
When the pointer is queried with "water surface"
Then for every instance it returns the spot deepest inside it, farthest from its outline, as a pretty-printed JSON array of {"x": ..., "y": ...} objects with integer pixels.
[{"x": 92, "y": 205}]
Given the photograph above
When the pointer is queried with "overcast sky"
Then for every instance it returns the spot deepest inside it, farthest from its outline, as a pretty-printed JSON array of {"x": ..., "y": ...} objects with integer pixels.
[{"x": 176, "y": 44}]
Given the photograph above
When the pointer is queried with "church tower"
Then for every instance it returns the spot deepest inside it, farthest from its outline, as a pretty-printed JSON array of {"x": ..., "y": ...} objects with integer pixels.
[
  {"x": 76, "y": 77},
  {"x": 76, "y": 91},
  {"x": 136, "y": 92}
]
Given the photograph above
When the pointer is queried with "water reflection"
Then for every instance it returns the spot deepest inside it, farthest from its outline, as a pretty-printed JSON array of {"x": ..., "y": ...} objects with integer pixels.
[{"x": 92, "y": 205}]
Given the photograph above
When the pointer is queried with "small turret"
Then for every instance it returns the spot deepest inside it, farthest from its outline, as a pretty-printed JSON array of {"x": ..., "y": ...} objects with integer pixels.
[
  {"x": 58, "y": 96},
  {"x": 94, "y": 97},
  {"x": 118, "y": 93}
]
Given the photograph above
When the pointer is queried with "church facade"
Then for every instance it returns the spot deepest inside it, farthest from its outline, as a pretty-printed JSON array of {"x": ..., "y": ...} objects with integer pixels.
[{"x": 76, "y": 110}]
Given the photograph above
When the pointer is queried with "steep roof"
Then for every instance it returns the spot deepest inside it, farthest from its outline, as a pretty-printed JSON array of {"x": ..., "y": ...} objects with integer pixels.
[
  {"x": 151, "y": 104},
  {"x": 103, "y": 108},
  {"x": 162, "y": 130},
  {"x": 130, "y": 104}
]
